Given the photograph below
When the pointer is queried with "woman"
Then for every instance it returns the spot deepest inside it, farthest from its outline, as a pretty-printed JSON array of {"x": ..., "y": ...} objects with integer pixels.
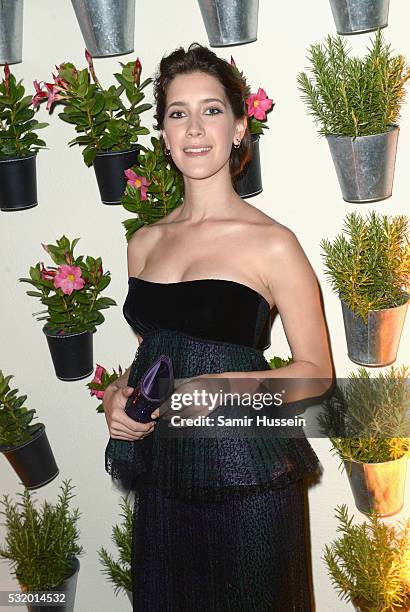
[{"x": 218, "y": 521}]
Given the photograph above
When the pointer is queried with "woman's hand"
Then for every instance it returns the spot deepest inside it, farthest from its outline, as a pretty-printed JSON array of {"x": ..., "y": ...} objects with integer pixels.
[
  {"x": 192, "y": 397},
  {"x": 120, "y": 425}
]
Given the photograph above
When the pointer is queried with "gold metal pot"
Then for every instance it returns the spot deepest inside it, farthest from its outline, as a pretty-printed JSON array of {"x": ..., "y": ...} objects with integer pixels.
[{"x": 378, "y": 486}]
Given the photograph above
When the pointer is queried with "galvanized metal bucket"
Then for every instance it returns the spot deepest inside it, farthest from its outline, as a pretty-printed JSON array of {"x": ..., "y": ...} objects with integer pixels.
[
  {"x": 11, "y": 31},
  {"x": 375, "y": 344},
  {"x": 357, "y": 16},
  {"x": 378, "y": 486},
  {"x": 230, "y": 22},
  {"x": 107, "y": 26},
  {"x": 249, "y": 182},
  {"x": 365, "y": 165}
]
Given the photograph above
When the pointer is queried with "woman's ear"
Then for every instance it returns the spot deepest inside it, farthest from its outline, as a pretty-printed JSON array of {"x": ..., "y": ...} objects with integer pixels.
[
  {"x": 241, "y": 126},
  {"x": 163, "y": 134}
]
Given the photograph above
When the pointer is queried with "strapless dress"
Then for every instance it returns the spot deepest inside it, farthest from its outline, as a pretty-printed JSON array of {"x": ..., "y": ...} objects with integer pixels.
[{"x": 218, "y": 522}]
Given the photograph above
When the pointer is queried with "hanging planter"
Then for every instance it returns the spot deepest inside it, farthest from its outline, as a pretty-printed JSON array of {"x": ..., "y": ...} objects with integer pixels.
[
  {"x": 357, "y": 110},
  {"x": 67, "y": 587},
  {"x": 18, "y": 183},
  {"x": 358, "y": 16},
  {"x": 365, "y": 165},
  {"x": 378, "y": 487},
  {"x": 44, "y": 558},
  {"x": 73, "y": 307},
  {"x": 23, "y": 444},
  {"x": 11, "y": 31},
  {"x": 249, "y": 182},
  {"x": 376, "y": 343},
  {"x": 107, "y": 26},
  {"x": 33, "y": 461},
  {"x": 368, "y": 266},
  {"x": 367, "y": 423},
  {"x": 19, "y": 145},
  {"x": 230, "y": 22},
  {"x": 72, "y": 354},
  {"x": 108, "y": 120},
  {"x": 109, "y": 169}
]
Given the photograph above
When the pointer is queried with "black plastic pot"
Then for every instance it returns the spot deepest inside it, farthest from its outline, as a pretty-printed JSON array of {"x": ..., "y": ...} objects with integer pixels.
[
  {"x": 72, "y": 354},
  {"x": 68, "y": 587},
  {"x": 109, "y": 169},
  {"x": 249, "y": 182},
  {"x": 33, "y": 461},
  {"x": 18, "y": 183}
]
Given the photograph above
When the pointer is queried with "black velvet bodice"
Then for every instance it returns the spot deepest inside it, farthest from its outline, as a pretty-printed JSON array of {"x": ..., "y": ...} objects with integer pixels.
[{"x": 213, "y": 309}]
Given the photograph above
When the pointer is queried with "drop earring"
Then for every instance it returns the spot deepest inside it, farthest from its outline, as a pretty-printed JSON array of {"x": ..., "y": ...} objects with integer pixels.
[
  {"x": 167, "y": 151},
  {"x": 237, "y": 145}
]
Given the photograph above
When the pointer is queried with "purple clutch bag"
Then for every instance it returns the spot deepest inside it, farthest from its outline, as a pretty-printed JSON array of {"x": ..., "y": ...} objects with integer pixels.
[{"x": 155, "y": 386}]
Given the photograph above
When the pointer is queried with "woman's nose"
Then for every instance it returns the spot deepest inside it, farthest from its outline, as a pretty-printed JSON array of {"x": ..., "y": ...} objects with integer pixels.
[{"x": 195, "y": 127}]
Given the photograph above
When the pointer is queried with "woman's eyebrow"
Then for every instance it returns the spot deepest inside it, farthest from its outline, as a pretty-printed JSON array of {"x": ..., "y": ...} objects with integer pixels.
[{"x": 204, "y": 100}]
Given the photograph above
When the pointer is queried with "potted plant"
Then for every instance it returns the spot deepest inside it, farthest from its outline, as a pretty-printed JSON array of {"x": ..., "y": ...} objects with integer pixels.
[
  {"x": 100, "y": 382},
  {"x": 119, "y": 572},
  {"x": 369, "y": 269},
  {"x": 19, "y": 145},
  {"x": 356, "y": 101},
  {"x": 108, "y": 120},
  {"x": 42, "y": 546},
  {"x": 368, "y": 564},
  {"x": 107, "y": 26},
  {"x": 11, "y": 31},
  {"x": 24, "y": 445},
  {"x": 154, "y": 188},
  {"x": 70, "y": 291},
  {"x": 279, "y": 362},
  {"x": 368, "y": 425},
  {"x": 358, "y": 16},
  {"x": 249, "y": 182},
  {"x": 230, "y": 22}
]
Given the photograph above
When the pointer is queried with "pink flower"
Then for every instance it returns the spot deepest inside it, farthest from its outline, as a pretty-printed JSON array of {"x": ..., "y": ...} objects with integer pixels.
[
  {"x": 68, "y": 278},
  {"x": 59, "y": 81},
  {"x": 136, "y": 73},
  {"x": 98, "y": 393},
  {"x": 7, "y": 78},
  {"x": 99, "y": 371},
  {"x": 258, "y": 104},
  {"x": 90, "y": 65},
  {"x": 53, "y": 95},
  {"x": 139, "y": 182},
  {"x": 47, "y": 274},
  {"x": 40, "y": 94}
]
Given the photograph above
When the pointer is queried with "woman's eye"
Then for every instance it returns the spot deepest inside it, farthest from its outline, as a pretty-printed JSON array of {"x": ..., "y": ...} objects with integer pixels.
[
  {"x": 214, "y": 108},
  {"x": 177, "y": 114},
  {"x": 172, "y": 114}
]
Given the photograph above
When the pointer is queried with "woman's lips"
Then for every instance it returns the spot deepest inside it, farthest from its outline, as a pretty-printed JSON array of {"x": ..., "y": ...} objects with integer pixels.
[{"x": 199, "y": 152}]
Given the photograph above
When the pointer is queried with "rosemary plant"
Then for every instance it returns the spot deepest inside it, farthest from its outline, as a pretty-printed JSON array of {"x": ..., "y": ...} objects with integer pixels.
[
  {"x": 368, "y": 420},
  {"x": 353, "y": 96},
  {"x": 369, "y": 563},
  {"x": 41, "y": 543},
  {"x": 370, "y": 269},
  {"x": 119, "y": 572},
  {"x": 15, "y": 418}
]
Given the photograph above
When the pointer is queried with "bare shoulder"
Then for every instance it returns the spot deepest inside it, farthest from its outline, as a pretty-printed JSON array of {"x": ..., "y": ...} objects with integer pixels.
[{"x": 139, "y": 246}]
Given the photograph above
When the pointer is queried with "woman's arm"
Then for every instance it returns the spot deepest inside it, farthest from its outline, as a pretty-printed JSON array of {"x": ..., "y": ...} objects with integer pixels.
[{"x": 295, "y": 290}]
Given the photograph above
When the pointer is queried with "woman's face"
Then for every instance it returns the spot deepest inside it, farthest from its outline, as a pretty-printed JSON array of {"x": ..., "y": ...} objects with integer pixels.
[{"x": 198, "y": 116}]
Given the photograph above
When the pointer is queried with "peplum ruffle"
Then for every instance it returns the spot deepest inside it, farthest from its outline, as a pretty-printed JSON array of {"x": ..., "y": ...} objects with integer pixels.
[{"x": 211, "y": 468}]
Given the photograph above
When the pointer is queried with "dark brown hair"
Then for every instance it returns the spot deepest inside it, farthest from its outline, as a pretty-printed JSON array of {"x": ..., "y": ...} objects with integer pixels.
[{"x": 202, "y": 59}]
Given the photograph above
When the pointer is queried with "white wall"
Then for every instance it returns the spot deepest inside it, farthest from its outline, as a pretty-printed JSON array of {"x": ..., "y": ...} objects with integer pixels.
[{"x": 300, "y": 191}]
